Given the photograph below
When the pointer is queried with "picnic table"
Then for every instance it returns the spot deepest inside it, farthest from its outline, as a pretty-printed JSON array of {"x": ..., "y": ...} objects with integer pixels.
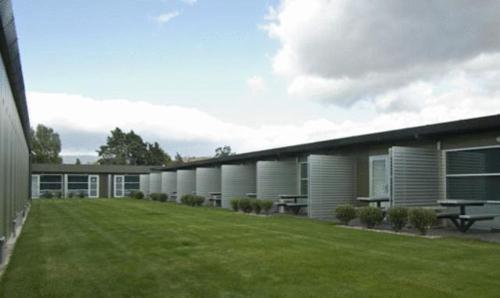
[
  {"x": 462, "y": 220},
  {"x": 377, "y": 200},
  {"x": 215, "y": 198},
  {"x": 295, "y": 206}
]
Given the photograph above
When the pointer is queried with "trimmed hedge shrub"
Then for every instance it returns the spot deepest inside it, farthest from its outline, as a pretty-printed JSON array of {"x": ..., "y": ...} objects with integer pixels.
[
  {"x": 235, "y": 204},
  {"x": 422, "y": 219},
  {"x": 161, "y": 197},
  {"x": 345, "y": 213},
  {"x": 245, "y": 205},
  {"x": 370, "y": 216},
  {"x": 256, "y": 206},
  {"x": 192, "y": 200},
  {"x": 138, "y": 195},
  {"x": 397, "y": 217},
  {"x": 81, "y": 195},
  {"x": 266, "y": 205}
]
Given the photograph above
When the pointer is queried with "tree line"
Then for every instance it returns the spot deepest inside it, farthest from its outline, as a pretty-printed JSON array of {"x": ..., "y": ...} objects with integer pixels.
[{"x": 121, "y": 148}]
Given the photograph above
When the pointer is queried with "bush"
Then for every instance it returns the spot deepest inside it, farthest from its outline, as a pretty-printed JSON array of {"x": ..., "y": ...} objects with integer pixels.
[
  {"x": 71, "y": 195},
  {"x": 266, "y": 205},
  {"x": 422, "y": 219},
  {"x": 235, "y": 204},
  {"x": 192, "y": 200},
  {"x": 345, "y": 213},
  {"x": 81, "y": 195},
  {"x": 398, "y": 217},
  {"x": 47, "y": 195},
  {"x": 245, "y": 205},
  {"x": 256, "y": 207},
  {"x": 163, "y": 197},
  {"x": 57, "y": 195},
  {"x": 370, "y": 216},
  {"x": 138, "y": 195}
]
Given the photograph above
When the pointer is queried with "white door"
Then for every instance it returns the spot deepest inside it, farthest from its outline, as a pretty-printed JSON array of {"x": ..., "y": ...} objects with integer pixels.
[
  {"x": 379, "y": 176},
  {"x": 119, "y": 186},
  {"x": 35, "y": 186},
  {"x": 93, "y": 186}
]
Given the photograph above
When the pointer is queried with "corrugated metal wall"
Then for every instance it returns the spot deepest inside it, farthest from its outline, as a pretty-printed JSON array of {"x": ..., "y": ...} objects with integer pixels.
[
  {"x": 154, "y": 182},
  {"x": 14, "y": 159},
  {"x": 208, "y": 180},
  {"x": 169, "y": 182},
  {"x": 414, "y": 176},
  {"x": 236, "y": 181},
  {"x": 186, "y": 183},
  {"x": 332, "y": 181},
  {"x": 144, "y": 184},
  {"x": 275, "y": 178}
]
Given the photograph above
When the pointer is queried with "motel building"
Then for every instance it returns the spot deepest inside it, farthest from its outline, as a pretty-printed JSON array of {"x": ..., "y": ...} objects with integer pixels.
[
  {"x": 411, "y": 167},
  {"x": 88, "y": 181}
]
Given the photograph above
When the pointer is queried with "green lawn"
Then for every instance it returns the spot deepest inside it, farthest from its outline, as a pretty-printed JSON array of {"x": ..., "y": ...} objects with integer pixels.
[{"x": 127, "y": 248}]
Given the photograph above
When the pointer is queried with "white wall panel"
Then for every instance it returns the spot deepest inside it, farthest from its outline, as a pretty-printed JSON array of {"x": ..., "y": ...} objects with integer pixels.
[
  {"x": 207, "y": 180},
  {"x": 169, "y": 182},
  {"x": 236, "y": 181},
  {"x": 144, "y": 184},
  {"x": 154, "y": 182},
  {"x": 275, "y": 178},
  {"x": 332, "y": 181},
  {"x": 186, "y": 183}
]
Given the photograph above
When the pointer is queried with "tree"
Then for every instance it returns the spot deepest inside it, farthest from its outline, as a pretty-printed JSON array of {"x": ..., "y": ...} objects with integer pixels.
[
  {"x": 129, "y": 149},
  {"x": 156, "y": 156},
  {"x": 46, "y": 145},
  {"x": 78, "y": 162},
  {"x": 223, "y": 151}
]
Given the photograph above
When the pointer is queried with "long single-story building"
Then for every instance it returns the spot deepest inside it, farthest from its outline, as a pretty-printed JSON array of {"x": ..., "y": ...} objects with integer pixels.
[
  {"x": 412, "y": 167},
  {"x": 14, "y": 130},
  {"x": 92, "y": 181}
]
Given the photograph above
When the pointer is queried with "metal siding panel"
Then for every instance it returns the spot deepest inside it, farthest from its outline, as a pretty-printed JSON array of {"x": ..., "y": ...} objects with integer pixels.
[
  {"x": 144, "y": 184},
  {"x": 207, "y": 180},
  {"x": 275, "y": 178},
  {"x": 332, "y": 181},
  {"x": 169, "y": 182},
  {"x": 236, "y": 181},
  {"x": 186, "y": 183},
  {"x": 154, "y": 182},
  {"x": 414, "y": 176}
]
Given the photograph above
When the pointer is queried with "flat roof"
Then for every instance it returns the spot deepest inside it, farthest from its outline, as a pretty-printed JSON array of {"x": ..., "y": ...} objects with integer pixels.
[
  {"x": 425, "y": 132},
  {"x": 12, "y": 61},
  {"x": 89, "y": 169}
]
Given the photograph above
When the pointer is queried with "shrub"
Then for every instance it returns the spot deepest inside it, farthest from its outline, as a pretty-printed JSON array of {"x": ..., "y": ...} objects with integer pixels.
[
  {"x": 422, "y": 219},
  {"x": 192, "y": 200},
  {"x": 235, "y": 204},
  {"x": 81, "y": 195},
  {"x": 154, "y": 196},
  {"x": 398, "y": 217},
  {"x": 245, "y": 205},
  {"x": 370, "y": 216},
  {"x": 266, "y": 205},
  {"x": 163, "y": 197},
  {"x": 138, "y": 195},
  {"x": 47, "y": 195},
  {"x": 256, "y": 207},
  {"x": 57, "y": 195},
  {"x": 345, "y": 213},
  {"x": 71, "y": 194}
]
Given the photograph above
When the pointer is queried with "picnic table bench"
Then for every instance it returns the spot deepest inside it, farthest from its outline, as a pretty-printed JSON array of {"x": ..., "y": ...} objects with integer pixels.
[
  {"x": 377, "y": 200},
  {"x": 295, "y": 206},
  {"x": 215, "y": 198},
  {"x": 461, "y": 219}
]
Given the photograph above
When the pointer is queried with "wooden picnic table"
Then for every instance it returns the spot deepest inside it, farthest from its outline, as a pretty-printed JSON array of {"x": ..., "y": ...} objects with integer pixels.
[
  {"x": 462, "y": 220},
  {"x": 295, "y": 206},
  {"x": 215, "y": 198},
  {"x": 377, "y": 200}
]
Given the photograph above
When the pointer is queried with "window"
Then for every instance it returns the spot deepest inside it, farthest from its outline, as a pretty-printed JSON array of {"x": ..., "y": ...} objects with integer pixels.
[
  {"x": 51, "y": 183},
  {"x": 379, "y": 176},
  {"x": 304, "y": 179},
  {"x": 132, "y": 183},
  {"x": 78, "y": 184},
  {"x": 473, "y": 174}
]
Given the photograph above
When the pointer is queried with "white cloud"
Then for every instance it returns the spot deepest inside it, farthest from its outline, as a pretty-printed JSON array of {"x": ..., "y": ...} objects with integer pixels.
[
  {"x": 166, "y": 17},
  {"x": 256, "y": 84},
  {"x": 87, "y": 121},
  {"x": 343, "y": 51}
]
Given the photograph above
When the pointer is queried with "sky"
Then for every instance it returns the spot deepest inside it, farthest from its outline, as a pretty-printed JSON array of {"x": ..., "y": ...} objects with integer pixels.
[{"x": 198, "y": 74}]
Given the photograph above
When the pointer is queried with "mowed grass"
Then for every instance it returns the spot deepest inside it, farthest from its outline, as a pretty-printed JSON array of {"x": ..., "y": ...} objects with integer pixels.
[{"x": 127, "y": 248}]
